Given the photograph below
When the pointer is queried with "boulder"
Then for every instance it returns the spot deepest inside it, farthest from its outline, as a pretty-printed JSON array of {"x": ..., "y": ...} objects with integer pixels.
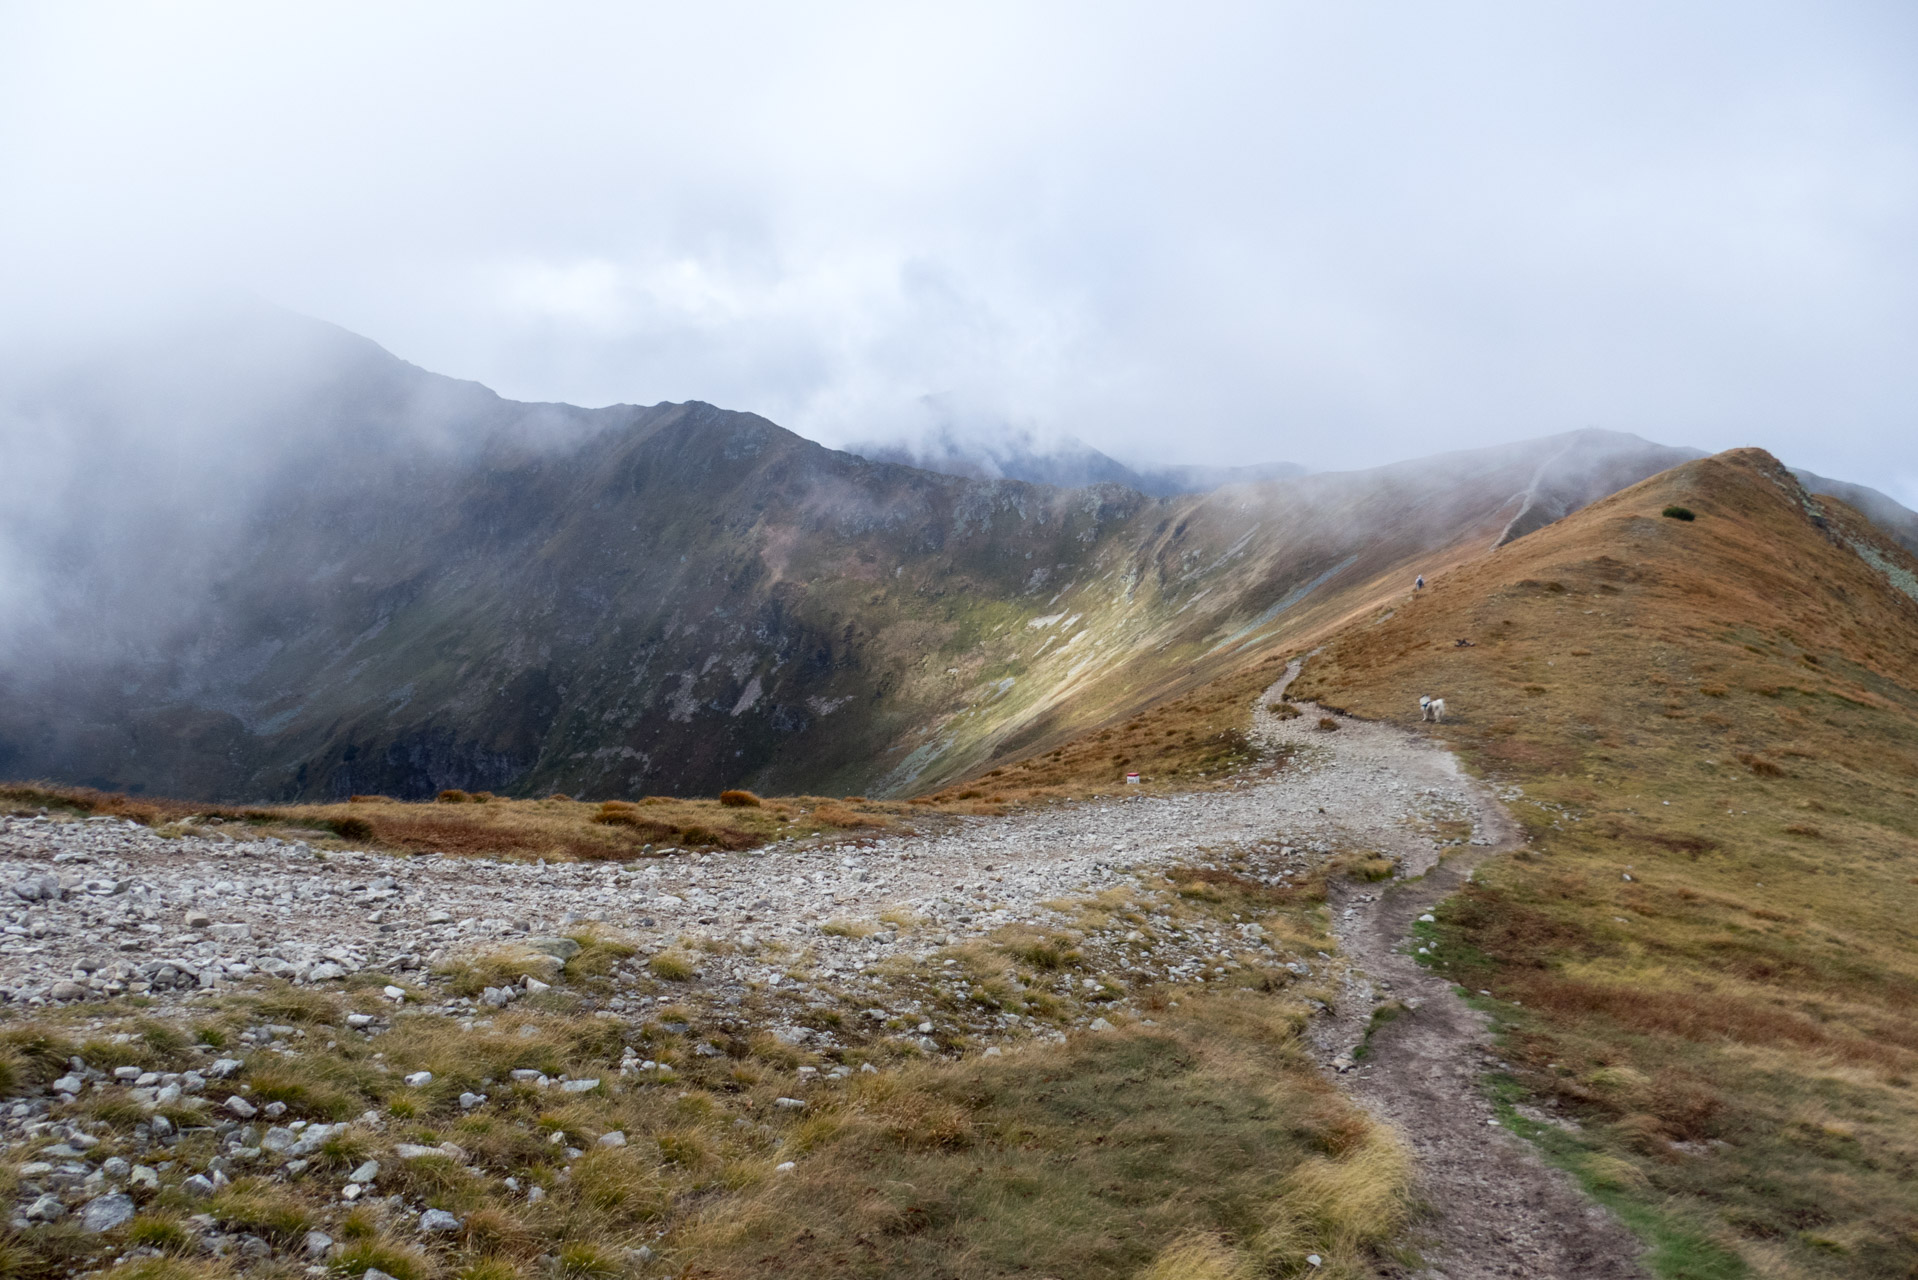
[{"x": 107, "y": 1212}]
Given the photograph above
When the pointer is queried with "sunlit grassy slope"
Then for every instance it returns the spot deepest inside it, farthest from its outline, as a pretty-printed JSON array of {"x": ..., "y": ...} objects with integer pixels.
[{"x": 1709, "y": 962}]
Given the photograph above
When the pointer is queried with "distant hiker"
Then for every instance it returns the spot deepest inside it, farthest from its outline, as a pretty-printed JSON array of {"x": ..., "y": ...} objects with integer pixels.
[
  {"x": 1432, "y": 709},
  {"x": 1419, "y": 583}
]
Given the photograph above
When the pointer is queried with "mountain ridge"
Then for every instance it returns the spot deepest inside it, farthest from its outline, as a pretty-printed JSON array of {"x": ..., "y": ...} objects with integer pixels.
[{"x": 417, "y": 585}]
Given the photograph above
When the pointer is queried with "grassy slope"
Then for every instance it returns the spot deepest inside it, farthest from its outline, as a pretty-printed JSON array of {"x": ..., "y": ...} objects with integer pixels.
[{"x": 1710, "y": 960}]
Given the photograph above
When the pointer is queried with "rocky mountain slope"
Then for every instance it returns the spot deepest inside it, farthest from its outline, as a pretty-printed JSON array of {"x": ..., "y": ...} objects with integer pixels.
[{"x": 298, "y": 568}]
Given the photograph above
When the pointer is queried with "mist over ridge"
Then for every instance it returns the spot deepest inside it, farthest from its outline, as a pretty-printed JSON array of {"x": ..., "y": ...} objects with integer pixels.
[{"x": 263, "y": 558}]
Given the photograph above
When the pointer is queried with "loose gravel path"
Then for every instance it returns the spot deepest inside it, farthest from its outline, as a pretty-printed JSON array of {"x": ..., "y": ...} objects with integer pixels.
[{"x": 96, "y": 908}]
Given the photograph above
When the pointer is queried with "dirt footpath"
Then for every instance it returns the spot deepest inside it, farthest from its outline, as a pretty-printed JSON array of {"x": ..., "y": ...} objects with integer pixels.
[{"x": 1495, "y": 1208}]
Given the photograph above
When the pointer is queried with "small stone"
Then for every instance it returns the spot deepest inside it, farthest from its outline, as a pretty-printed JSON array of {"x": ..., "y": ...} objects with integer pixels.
[
  {"x": 393, "y": 993},
  {"x": 145, "y": 1177},
  {"x": 437, "y": 1222},
  {"x": 359, "y": 1020},
  {"x": 351, "y": 1191},
  {"x": 558, "y": 948},
  {"x": 993, "y": 1052},
  {"x": 1100, "y": 1024},
  {"x": 68, "y": 990},
  {"x": 69, "y": 1084},
  {"x": 470, "y": 1100},
  {"x": 419, "y": 1078},
  {"x": 613, "y": 1139},
  {"x": 1428, "y": 918},
  {"x": 198, "y": 919},
  {"x": 116, "y": 1167},
  {"x": 367, "y": 1172},
  {"x": 790, "y": 1104},
  {"x": 439, "y": 917},
  {"x": 224, "y": 1068},
  {"x": 107, "y": 1212},
  {"x": 279, "y": 1139},
  {"x": 533, "y": 986},
  {"x": 46, "y": 1209},
  {"x": 325, "y": 972},
  {"x": 374, "y": 1273},
  {"x": 1314, "y": 1260},
  {"x": 579, "y": 1086},
  {"x": 240, "y": 1107},
  {"x": 198, "y": 1186},
  {"x": 316, "y": 1244},
  {"x": 784, "y": 1166}
]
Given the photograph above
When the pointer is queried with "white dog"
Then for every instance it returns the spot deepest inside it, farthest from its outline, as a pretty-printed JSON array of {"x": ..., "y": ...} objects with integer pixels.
[{"x": 1432, "y": 709}]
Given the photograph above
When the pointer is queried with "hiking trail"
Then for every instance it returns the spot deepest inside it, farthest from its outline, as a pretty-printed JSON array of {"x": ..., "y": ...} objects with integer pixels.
[{"x": 1494, "y": 1208}]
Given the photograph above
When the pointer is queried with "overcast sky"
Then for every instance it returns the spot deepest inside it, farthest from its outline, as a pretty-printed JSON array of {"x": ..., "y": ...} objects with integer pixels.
[{"x": 1334, "y": 233}]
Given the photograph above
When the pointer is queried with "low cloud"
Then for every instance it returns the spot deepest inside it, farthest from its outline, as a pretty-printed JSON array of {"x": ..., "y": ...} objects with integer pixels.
[{"x": 1335, "y": 235}]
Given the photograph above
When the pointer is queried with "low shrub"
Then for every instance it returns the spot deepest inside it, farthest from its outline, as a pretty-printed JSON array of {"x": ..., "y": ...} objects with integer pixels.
[
  {"x": 454, "y": 796},
  {"x": 1759, "y": 765},
  {"x": 739, "y": 799},
  {"x": 673, "y": 966},
  {"x": 166, "y": 1234},
  {"x": 264, "y": 1209},
  {"x": 357, "y": 829},
  {"x": 1327, "y": 722},
  {"x": 1679, "y": 513}
]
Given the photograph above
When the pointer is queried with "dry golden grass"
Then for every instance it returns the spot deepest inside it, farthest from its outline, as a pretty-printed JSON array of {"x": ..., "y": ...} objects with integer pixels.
[
  {"x": 554, "y": 828},
  {"x": 1687, "y": 963},
  {"x": 1201, "y": 1165}
]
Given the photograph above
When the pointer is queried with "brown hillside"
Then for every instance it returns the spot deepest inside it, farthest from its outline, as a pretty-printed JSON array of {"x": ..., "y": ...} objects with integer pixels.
[{"x": 1709, "y": 962}]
